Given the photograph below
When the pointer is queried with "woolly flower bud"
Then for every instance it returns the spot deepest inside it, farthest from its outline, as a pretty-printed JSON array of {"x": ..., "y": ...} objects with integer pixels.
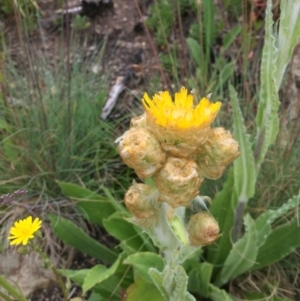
[
  {"x": 178, "y": 182},
  {"x": 202, "y": 229},
  {"x": 141, "y": 151},
  {"x": 140, "y": 201},
  {"x": 216, "y": 153},
  {"x": 179, "y": 125},
  {"x": 138, "y": 121}
]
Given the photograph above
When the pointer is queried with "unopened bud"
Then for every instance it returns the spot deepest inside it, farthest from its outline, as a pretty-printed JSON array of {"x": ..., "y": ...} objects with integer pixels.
[
  {"x": 210, "y": 170},
  {"x": 216, "y": 153},
  {"x": 23, "y": 250},
  {"x": 178, "y": 182},
  {"x": 46, "y": 264},
  {"x": 202, "y": 229},
  {"x": 141, "y": 151},
  {"x": 140, "y": 200},
  {"x": 138, "y": 121}
]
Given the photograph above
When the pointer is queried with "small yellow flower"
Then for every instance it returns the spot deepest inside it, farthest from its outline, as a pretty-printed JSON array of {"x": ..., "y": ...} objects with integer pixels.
[
  {"x": 23, "y": 230},
  {"x": 179, "y": 125}
]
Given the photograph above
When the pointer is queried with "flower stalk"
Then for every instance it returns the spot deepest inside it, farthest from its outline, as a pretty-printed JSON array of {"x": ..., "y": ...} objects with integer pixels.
[
  {"x": 53, "y": 269},
  {"x": 174, "y": 144}
]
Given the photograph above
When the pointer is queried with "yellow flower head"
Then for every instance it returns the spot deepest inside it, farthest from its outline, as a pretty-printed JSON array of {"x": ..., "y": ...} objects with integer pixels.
[
  {"x": 23, "y": 230},
  {"x": 179, "y": 125},
  {"x": 181, "y": 112}
]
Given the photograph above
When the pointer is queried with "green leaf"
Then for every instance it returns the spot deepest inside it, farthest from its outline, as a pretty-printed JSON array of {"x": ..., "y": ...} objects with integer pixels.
[
  {"x": 195, "y": 50},
  {"x": 143, "y": 261},
  {"x": 192, "y": 261},
  {"x": 141, "y": 290},
  {"x": 267, "y": 120},
  {"x": 99, "y": 273},
  {"x": 288, "y": 36},
  {"x": 117, "y": 226},
  {"x": 75, "y": 275},
  {"x": 93, "y": 206},
  {"x": 225, "y": 73},
  {"x": 222, "y": 202},
  {"x": 95, "y": 297},
  {"x": 264, "y": 221},
  {"x": 157, "y": 278},
  {"x": 244, "y": 165},
  {"x": 230, "y": 37},
  {"x": 11, "y": 151},
  {"x": 242, "y": 255},
  {"x": 106, "y": 289},
  {"x": 222, "y": 208},
  {"x": 4, "y": 125},
  {"x": 74, "y": 236},
  {"x": 280, "y": 243},
  {"x": 91, "y": 277},
  {"x": 172, "y": 283},
  {"x": 217, "y": 294},
  {"x": 199, "y": 279}
]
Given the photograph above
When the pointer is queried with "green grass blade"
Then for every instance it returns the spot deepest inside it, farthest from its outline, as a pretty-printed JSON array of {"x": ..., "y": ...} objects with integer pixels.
[{"x": 209, "y": 26}]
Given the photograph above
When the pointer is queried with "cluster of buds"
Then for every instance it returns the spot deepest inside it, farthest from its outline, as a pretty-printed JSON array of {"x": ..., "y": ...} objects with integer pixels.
[{"x": 173, "y": 143}]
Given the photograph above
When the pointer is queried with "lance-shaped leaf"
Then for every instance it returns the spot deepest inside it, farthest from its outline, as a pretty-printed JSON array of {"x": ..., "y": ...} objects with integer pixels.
[
  {"x": 288, "y": 36},
  {"x": 264, "y": 221},
  {"x": 217, "y": 294},
  {"x": 281, "y": 242},
  {"x": 172, "y": 283},
  {"x": 74, "y": 236},
  {"x": 267, "y": 119},
  {"x": 244, "y": 166},
  {"x": 242, "y": 255},
  {"x": 199, "y": 278}
]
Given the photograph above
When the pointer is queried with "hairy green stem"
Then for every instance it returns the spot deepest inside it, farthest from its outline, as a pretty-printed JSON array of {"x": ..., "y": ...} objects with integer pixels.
[{"x": 54, "y": 270}]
